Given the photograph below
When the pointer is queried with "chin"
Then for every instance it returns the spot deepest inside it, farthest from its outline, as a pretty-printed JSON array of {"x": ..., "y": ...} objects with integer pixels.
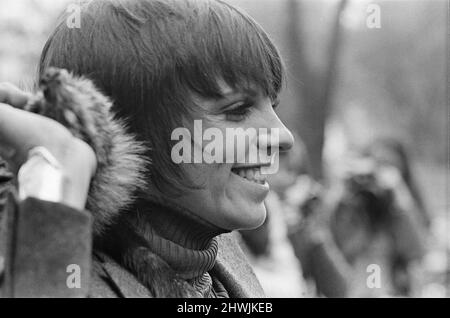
[{"x": 245, "y": 216}]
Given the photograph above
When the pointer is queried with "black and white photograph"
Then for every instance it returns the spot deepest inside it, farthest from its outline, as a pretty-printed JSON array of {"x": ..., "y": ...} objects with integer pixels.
[{"x": 249, "y": 150}]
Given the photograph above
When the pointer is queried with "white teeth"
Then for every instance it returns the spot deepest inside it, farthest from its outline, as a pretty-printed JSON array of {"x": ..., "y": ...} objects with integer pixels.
[{"x": 251, "y": 174}]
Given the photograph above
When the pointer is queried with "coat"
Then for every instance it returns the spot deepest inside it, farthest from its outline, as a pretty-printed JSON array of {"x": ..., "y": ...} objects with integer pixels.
[{"x": 49, "y": 254}]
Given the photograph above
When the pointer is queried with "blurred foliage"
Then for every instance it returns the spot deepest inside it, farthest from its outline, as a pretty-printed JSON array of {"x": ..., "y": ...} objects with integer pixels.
[
  {"x": 24, "y": 27},
  {"x": 396, "y": 77}
]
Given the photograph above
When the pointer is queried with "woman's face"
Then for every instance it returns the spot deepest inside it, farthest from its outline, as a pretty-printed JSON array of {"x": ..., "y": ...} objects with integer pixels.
[{"x": 232, "y": 194}]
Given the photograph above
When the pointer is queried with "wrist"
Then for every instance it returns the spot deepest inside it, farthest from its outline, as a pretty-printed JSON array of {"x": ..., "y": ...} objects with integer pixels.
[
  {"x": 63, "y": 179},
  {"x": 74, "y": 188}
]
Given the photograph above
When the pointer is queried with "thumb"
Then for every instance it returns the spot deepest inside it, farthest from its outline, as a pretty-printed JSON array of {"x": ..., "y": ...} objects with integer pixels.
[{"x": 12, "y": 95}]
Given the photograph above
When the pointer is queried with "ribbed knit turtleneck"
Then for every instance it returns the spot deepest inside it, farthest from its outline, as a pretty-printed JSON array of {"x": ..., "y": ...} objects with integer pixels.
[{"x": 183, "y": 240}]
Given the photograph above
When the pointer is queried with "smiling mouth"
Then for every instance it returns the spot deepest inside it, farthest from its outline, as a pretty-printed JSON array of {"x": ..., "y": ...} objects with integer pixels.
[{"x": 250, "y": 173}]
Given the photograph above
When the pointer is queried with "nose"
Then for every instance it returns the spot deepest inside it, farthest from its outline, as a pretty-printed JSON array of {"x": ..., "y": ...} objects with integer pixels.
[
  {"x": 279, "y": 138},
  {"x": 286, "y": 140}
]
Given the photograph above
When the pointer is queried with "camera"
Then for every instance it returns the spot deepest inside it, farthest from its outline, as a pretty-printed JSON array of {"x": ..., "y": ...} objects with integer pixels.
[{"x": 368, "y": 193}]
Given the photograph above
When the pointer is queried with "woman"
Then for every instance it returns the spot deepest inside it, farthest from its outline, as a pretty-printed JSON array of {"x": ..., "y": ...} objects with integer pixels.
[
  {"x": 408, "y": 223},
  {"x": 164, "y": 64},
  {"x": 377, "y": 207},
  {"x": 389, "y": 152}
]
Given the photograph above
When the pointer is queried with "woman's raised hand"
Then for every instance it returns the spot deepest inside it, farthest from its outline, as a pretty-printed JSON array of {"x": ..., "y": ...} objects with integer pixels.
[{"x": 21, "y": 131}]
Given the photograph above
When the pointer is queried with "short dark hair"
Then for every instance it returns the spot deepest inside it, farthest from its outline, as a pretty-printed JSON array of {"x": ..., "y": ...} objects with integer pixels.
[{"x": 149, "y": 56}]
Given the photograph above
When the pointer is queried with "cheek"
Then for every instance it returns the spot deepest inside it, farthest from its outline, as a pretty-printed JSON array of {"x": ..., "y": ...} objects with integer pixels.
[
  {"x": 219, "y": 201},
  {"x": 213, "y": 179}
]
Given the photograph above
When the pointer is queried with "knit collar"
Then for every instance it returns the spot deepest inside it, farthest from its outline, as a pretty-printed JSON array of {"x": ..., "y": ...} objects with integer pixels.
[{"x": 182, "y": 239}]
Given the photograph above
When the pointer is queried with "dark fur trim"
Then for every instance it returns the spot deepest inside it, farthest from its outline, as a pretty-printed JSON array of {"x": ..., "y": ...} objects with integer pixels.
[{"x": 78, "y": 105}]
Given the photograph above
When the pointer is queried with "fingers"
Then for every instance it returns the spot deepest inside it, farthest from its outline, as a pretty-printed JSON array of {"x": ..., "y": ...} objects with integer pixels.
[
  {"x": 12, "y": 95},
  {"x": 14, "y": 132},
  {"x": 21, "y": 131},
  {"x": 9, "y": 155},
  {"x": 6, "y": 152}
]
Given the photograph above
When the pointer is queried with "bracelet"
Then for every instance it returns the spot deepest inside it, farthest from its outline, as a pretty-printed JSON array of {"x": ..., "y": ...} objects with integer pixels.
[{"x": 41, "y": 176}]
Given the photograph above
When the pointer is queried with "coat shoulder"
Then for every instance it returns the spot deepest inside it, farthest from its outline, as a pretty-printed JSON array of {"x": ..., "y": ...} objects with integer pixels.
[
  {"x": 234, "y": 270},
  {"x": 110, "y": 280}
]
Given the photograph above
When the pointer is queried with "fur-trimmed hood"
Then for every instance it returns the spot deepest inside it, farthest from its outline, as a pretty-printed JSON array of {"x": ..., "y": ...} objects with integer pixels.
[{"x": 78, "y": 105}]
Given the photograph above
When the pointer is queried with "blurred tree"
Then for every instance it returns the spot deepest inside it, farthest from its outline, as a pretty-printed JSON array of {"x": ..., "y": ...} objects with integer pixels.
[
  {"x": 24, "y": 27},
  {"x": 396, "y": 77},
  {"x": 317, "y": 84}
]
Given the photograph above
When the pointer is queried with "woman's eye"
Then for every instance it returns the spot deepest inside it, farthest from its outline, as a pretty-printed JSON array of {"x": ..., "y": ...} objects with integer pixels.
[{"x": 239, "y": 113}]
